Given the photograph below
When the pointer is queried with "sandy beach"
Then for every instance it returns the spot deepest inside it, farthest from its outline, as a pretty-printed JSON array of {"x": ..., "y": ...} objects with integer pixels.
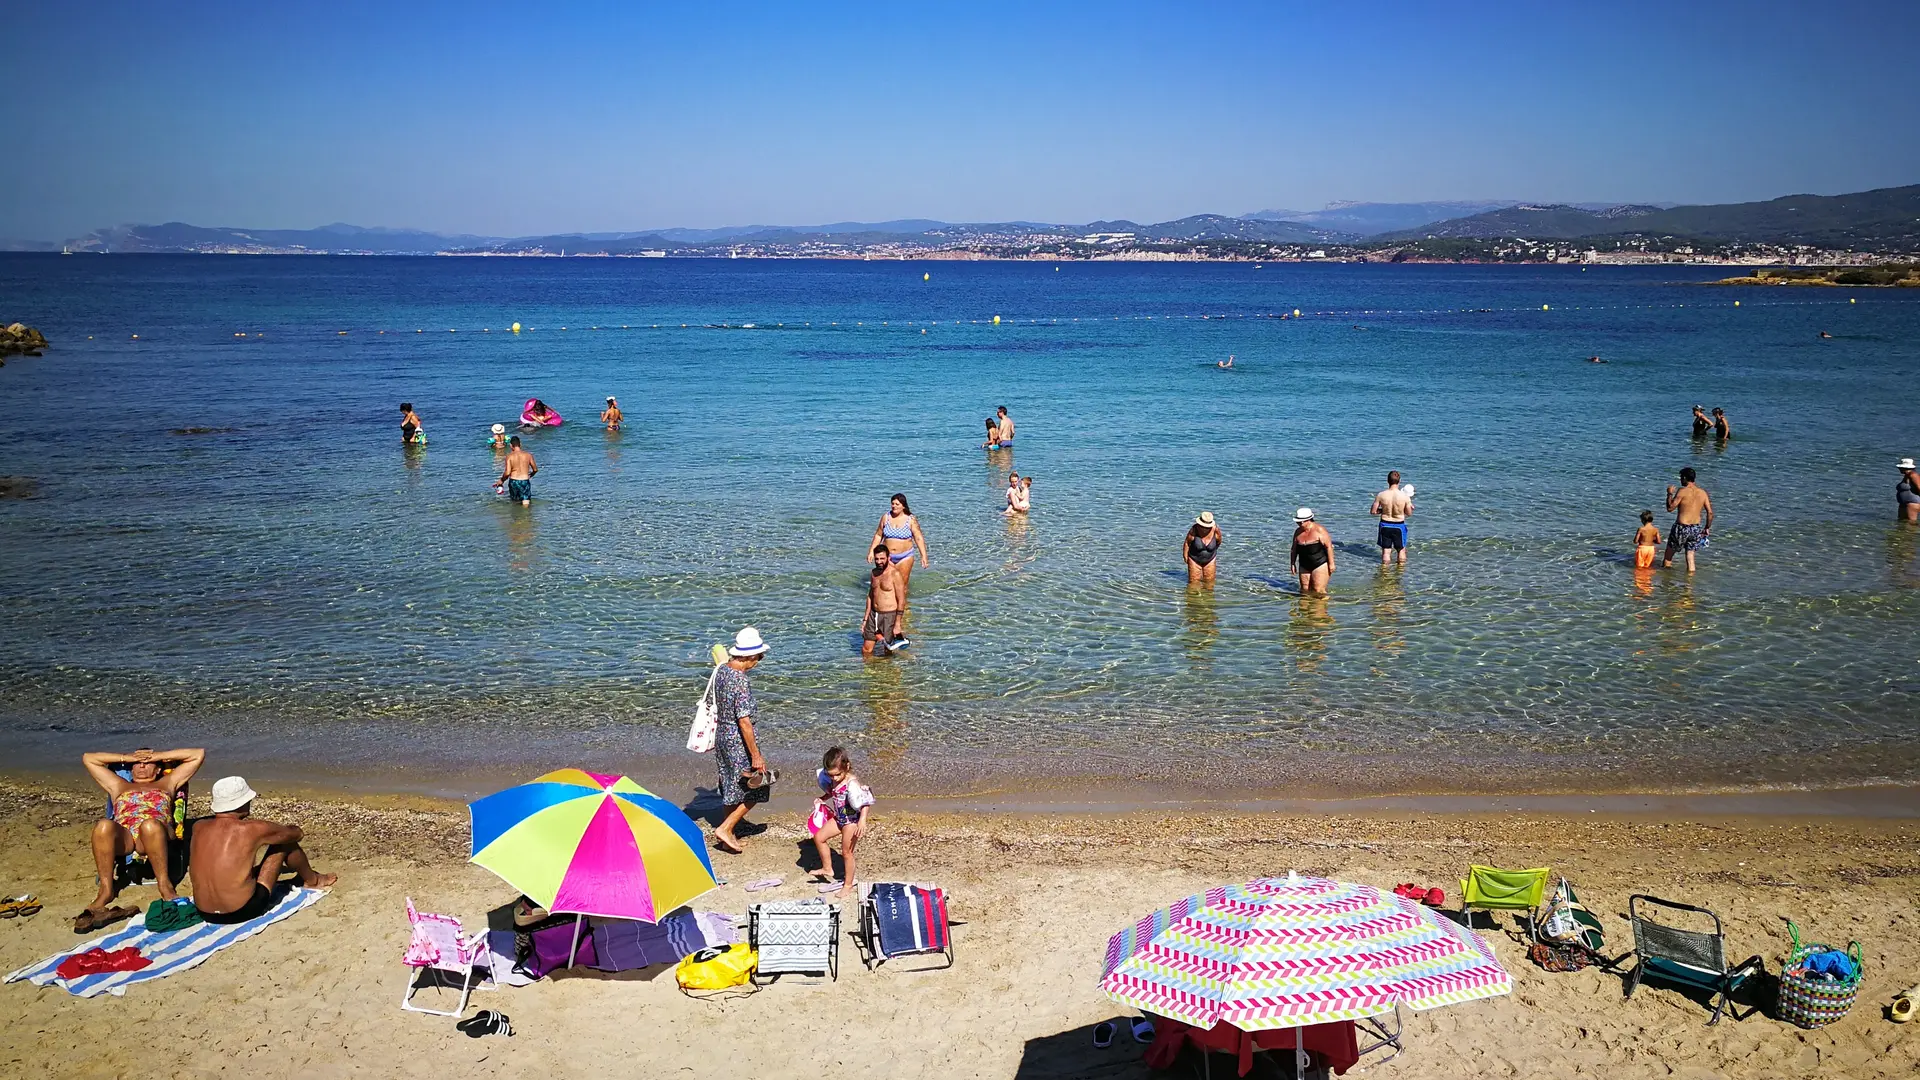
[{"x": 1039, "y": 894}]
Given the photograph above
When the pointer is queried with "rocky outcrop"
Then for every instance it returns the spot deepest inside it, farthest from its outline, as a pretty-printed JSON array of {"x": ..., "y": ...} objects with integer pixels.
[{"x": 18, "y": 340}]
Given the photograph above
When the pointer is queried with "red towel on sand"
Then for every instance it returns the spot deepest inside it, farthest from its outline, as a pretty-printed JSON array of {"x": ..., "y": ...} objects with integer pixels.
[
  {"x": 1335, "y": 1043},
  {"x": 100, "y": 961}
]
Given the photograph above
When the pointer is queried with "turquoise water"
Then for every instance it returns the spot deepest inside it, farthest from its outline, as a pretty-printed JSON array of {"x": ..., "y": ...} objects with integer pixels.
[{"x": 295, "y": 576}]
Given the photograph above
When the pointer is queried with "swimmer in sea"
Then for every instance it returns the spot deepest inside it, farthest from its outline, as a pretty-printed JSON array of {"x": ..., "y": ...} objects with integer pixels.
[
  {"x": 1906, "y": 493},
  {"x": 1311, "y": 557},
  {"x": 1201, "y": 548},
  {"x": 1005, "y": 432},
  {"x": 517, "y": 473},
  {"x": 1721, "y": 429},
  {"x": 536, "y": 415},
  {"x": 499, "y": 439},
  {"x": 1016, "y": 498},
  {"x": 610, "y": 415},
  {"x": 1595, "y": 360},
  {"x": 410, "y": 424},
  {"x": 1701, "y": 423},
  {"x": 1824, "y": 334},
  {"x": 899, "y": 530},
  {"x": 993, "y": 435},
  {"x": 1646, "y": 541},
  {"x": 1392, "y": 506},
  {"x": 1689, "y": 501},
  {"x": 1227, "y": 364}
]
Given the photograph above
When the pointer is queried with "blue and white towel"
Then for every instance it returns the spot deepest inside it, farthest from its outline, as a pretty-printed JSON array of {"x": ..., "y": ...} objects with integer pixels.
[{"x": 171, "y": 952}]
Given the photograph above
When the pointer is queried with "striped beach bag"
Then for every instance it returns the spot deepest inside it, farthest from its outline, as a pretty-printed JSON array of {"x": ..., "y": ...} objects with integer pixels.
[{"x": 1811, "y": 998}]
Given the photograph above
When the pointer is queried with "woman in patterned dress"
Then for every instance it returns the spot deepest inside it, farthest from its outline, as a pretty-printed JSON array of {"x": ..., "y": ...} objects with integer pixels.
[{"x": 736, "y": 750}]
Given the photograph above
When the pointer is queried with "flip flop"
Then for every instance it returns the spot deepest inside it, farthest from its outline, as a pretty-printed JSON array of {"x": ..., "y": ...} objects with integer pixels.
[
  {"x": 763, "y": 884},
  {"x": 14, "y": 906},
  {"x": 1409, "y": 890},
  {"x": 1142, "y": 1030},
  {"x": 1103, "y": 1033},
  {"x": 1435, "y": 897},
  {"x": 486, "y": 1022},
  {"x": 828, "y": 886}
]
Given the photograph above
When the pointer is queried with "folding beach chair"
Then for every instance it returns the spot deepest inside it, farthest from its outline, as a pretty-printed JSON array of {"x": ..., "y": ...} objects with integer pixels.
[
  {"x": 795, "y": 937},
  {"x": 1689, "y": 959},
  {"x": 898, "y": 918},
  {"x": 1488, "y": 889},
  {"x": 438, "y": 946}
]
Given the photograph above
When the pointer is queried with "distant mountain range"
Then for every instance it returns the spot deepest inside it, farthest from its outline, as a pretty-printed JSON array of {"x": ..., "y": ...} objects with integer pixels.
[{"x": 1886, "y": 219}]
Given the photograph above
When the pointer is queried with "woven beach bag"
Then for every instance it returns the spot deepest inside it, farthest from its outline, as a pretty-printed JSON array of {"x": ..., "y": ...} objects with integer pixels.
[{"x": 1808, "y": 1001}]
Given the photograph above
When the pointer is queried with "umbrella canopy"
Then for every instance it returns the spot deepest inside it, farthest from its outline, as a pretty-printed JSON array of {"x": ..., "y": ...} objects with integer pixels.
[
  {"x": 1287, "y": 952},
  {"x": 592, "y": 844}
]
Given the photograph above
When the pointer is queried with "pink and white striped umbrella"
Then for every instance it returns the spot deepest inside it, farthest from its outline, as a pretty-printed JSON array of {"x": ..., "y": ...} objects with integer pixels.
[{"x": 1288, "y": 952}]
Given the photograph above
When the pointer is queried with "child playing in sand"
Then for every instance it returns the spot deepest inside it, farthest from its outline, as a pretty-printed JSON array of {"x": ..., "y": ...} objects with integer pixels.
[
  {"x": 841, "y": 810},
  {"x": 1645, "y": 541}
]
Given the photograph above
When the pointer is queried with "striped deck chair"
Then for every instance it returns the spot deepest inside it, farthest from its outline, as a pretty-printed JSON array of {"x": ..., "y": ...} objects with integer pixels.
[{"x": 898, "y": 918}]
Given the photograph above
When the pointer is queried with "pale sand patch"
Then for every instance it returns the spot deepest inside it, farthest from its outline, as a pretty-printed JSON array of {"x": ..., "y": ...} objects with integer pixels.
[{"x": 318, "y": 995}]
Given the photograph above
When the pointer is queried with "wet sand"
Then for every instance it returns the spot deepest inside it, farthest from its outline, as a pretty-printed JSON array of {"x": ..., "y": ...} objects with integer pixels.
[{"x": 1039, "y": 893}]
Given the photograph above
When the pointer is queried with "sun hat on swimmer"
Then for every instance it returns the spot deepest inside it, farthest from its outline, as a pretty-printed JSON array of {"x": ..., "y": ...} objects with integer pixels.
[
  {"x": 1905, "y": 465},
  {"x": 499, "y": 429},
  {"x": 747, "y": 643},
  {"x": 1205, "y": 520},
  {"x": 231, "y": 793},
  {"x": 1303, "y": 514}
]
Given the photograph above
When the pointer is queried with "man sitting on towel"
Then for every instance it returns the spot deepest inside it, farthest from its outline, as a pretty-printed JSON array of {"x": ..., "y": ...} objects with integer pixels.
[{"x": 232, "y": 880}]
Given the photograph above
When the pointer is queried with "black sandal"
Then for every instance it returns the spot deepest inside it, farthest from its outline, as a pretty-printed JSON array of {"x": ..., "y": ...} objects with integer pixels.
[{"x": 487, "y": 1022}]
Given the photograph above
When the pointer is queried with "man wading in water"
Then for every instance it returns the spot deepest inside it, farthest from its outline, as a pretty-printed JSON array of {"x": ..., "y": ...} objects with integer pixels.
[
  {"x": 880, "y": 630},
  {"x": 1692, "y": 520}
]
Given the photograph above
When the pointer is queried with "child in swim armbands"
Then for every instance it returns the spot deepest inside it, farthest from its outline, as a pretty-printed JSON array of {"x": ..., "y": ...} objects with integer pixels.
[
  {"x": 841, "y": 810},
  {"x": 499, "y": 439}
]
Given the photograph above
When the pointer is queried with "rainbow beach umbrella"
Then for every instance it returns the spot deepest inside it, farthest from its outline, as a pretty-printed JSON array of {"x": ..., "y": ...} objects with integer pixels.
[
  {"x": 1293, "y": 951},
  {"x": 592, "y": 844}
]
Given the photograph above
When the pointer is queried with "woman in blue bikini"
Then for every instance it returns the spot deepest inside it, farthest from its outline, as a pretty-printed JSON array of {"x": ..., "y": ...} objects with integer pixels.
[{"x": 899, "y": 530}]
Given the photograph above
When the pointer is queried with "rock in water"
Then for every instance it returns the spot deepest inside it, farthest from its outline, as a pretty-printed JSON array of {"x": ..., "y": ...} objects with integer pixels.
[{"x": 19, "y": 338}]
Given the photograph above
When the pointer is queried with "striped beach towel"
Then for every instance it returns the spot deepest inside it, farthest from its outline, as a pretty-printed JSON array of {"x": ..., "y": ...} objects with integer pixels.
[{"x": 170, "y": 952}]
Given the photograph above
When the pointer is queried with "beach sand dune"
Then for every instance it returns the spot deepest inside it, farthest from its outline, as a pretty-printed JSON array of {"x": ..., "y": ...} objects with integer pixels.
[{"x": 318, "y": 995}]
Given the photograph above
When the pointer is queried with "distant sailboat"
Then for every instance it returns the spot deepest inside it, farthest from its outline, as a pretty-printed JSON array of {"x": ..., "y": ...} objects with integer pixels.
[{"x": 67, "y": 250}]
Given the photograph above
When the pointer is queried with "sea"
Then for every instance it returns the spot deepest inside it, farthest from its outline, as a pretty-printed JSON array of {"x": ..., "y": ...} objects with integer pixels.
[{"x": 213, "y": 535}]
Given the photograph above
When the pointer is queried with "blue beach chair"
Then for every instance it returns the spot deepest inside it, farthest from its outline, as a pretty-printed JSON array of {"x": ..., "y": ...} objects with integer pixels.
[{"x": 1689, "y": 959}]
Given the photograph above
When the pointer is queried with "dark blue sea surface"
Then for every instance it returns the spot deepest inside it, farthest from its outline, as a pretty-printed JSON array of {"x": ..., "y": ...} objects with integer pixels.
[{"x": 226, "y": 537}]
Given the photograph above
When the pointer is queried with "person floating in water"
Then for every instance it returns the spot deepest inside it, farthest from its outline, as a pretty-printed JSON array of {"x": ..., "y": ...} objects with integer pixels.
[
  {"x": 499, "y": 439},
  {"x": 1004, "y": 432},
  {"x": 1595, "y": 360},
  {"x": 410, "y": 431},
  {"x": 1392, "y": 506},
  {"x": 886, "y": 594},
  {"x": 610, "y": 415},
  {"x": 1227, "y": 364},
  {"x": 1646, "y": 541},
  {"x": 538, "y": 414},
  {"x": 1702, "y": 424},
  {"x": 1692, "y": 518},
  {"x": 517, "y": 473},
  {"x": 1721, "y": 429},
  {"x": 1311, "y": 558},
  {"x": 1824, "y": 334},
  {"x": 1201, "y": 549},
  {"x": 1906, "y": 493}
]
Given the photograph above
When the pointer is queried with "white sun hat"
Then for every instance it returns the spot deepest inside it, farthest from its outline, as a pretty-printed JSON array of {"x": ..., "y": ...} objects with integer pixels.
[
  {"x": 231, "y": 793},
  {"x": 1906, "y": 464},
  {"x": 499, "y": 429},
  {"x": 1205, "y": 520},
  {"x": 1302, "y": 515},
  {"x": 747, "y": 643}
]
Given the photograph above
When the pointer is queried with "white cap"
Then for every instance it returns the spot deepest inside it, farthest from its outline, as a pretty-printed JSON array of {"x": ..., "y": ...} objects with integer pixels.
[
  {"x": 1302, "y": 514},
  {"x": 747, "y": 643},
  {"x": 230, "y": 793}
]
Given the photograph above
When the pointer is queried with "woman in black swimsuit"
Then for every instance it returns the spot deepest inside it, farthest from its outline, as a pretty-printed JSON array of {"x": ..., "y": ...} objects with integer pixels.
[
  {"x": 1312, "y": 557},
  {"x": 1200, "y": 548}
]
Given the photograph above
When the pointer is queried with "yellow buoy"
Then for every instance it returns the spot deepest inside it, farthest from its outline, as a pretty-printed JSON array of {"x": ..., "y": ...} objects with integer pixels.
[
  {"x": 136, "y": 337},
  {"x": 516, "y": 328},
  {"x": 1056, "y": 269},
  {"x": 926, "y": 277},
  {"x": 1851, "y": 300},
  {"x": 1296, "y": 313},
  {"x": 343, "y": 333},
  {"x": 996, "y": 320},
  {"x": 1544, "y": 307},
  {"x": 1736, "y": 303}
]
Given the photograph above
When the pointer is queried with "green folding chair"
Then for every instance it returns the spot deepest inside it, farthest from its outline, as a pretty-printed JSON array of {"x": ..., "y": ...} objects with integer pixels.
[
  {"x": 1488, "y": 889},
  {"x": 1690, "y": 959}
]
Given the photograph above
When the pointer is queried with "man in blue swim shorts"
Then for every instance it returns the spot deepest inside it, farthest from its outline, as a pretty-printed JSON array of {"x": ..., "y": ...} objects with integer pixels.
[
  {"x": 1392, "y": 506},
  {"x": 517, "y": 473}
]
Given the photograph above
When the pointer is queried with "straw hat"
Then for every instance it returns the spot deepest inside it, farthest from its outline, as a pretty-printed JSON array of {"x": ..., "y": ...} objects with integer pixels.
[
  {"x": 1906, "y": 464},
  {"x": 1205, "y": 520},
  {"x": 747, "y": 643},
  {"x": 231, "y": 793},
  {"x": 499, "y": 429},
  {"x": 1302, "y": 515}
]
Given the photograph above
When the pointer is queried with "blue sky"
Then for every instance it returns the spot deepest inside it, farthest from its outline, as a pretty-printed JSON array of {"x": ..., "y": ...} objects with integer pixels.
[{"x": 556, "y": 117}]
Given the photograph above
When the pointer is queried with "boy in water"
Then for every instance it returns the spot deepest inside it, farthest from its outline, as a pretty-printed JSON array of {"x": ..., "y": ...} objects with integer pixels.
[
  {"x": 610, "y": 415},
  {"x": 841, "y": 810},
  {"x": 517, "y": 473},
  {"x": 880, "y": 627},
  {"x": 1646, "y": 540}
]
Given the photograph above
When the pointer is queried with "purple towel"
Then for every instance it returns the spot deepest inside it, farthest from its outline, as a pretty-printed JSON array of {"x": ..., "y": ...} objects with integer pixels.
[
  {"x": 550, "y": 950},
  {"x": 622, "y": 945}
]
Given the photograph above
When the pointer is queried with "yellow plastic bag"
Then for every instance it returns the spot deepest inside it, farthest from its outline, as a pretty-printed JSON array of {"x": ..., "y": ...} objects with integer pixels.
[{"x": 717, "y": 968}]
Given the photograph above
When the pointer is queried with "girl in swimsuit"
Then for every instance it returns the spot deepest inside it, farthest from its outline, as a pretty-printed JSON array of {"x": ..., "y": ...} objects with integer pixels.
[
  {"x": 899, "y": 530},
  {"x": 1200, "y": 548},
  {"x": 1311, "y": 559},
  {"x": 993, "y": 435}
]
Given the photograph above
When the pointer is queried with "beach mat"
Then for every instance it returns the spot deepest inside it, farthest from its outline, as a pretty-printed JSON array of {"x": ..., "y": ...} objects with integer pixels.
[{"x": 171, "y": 952}]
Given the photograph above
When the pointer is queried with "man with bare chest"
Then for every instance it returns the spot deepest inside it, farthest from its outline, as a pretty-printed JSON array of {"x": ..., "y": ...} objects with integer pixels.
[
  {"x": 880, "y": 630},
  {"x": 237, "y": 859},
  {"x": 1692, "y": 518}
]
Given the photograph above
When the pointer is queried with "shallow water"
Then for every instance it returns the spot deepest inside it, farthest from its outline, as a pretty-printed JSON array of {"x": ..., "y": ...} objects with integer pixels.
[{"x": 294, "y": 572}]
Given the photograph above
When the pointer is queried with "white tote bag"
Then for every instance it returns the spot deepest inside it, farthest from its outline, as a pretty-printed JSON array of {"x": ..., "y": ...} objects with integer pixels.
[{"x": 706, "y": 719}]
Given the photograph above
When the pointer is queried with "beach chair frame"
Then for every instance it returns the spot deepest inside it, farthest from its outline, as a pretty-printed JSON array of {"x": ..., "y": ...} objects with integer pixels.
[
  {"x": 1527, "y": 903},
  {"x": 452, "y": 953},
  {"x": 1690, "y": 959},
  {"x": 809, "y": 952},
  {"x": 867, "y": 938}
]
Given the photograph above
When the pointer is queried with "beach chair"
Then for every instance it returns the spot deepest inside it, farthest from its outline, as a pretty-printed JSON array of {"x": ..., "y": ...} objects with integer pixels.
[
  {"x": 134, "y": 869},
  {"x": 899, "y": 918},
  {"x": 1690, "y": 959},
  {"x": 795, "y": 937},
  {"x": 1488, "y": 889},
  {"x": 438, "y": 946}
]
